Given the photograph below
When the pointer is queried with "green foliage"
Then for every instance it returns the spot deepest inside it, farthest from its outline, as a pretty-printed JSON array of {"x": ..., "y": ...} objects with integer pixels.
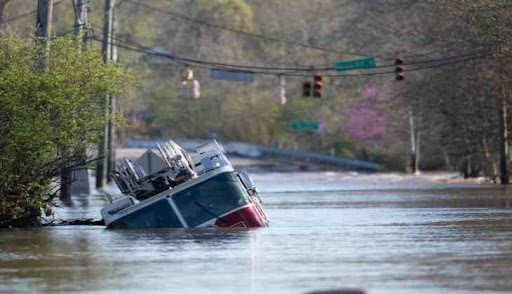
[
  {"x": 445, "y": 99},
  {"x": 46, "y": 115},
  {"x": 491, "y": 18},
  {"x": 235, "y": 13}
]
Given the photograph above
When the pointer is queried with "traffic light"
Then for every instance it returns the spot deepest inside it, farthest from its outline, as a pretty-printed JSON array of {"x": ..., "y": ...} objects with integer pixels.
[
  {"x": 187, "y": 74},
  {"x": 399, "y": 70},
  {"x": 317, "y": 86},
  {"x": 306, "y": 89}
]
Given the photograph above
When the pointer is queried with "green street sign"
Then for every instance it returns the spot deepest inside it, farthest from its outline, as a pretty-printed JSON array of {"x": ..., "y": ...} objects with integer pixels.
[
  {"x": 305, "y": 125},
  {"x": 343, "y": 65}
]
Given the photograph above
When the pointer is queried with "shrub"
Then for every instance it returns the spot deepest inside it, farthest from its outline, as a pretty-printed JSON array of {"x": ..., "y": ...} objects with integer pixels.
[{"x": 46, "y": 116}]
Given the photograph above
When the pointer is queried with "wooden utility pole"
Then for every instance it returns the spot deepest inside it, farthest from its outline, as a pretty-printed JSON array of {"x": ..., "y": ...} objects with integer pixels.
[
  {"x": 75, "y": 178},
  {"x": 44, "y": 19},
  {"x": 44, "y": 23},
  {"x": 106, "y": 49},
  {"x": 111, "y": 157}
]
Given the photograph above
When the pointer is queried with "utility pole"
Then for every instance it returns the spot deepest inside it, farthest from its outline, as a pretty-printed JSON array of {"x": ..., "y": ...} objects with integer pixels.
[
  {"x": 44, "y": 20},
  {"x": 75, "y": 178},
  {"x": 111, "y": 157},
  {"x": 66, "y": 175},
  {"x": 44, "y": 23},
  {"x": 106, "y": 49}
]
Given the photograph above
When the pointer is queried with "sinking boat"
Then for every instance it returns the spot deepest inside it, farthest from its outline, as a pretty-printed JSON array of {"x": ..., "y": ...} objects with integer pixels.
[{"x": 190, "y": 191}]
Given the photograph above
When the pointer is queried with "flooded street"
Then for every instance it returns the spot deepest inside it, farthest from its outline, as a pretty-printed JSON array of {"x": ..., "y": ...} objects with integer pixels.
[{"x": 386, "y": 233}]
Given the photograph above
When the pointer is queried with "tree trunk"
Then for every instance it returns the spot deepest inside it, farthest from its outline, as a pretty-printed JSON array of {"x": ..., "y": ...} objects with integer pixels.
[
  {"x": 418, "y": 141},
  {"x": 81, "y": 18},
  {"x": 490, "y": 163},
  {"x": 504, "y": 180},
  {"x": 66, "y": 185},
  {"x": 2, "y": 7},
  {"x": 414, "y": 159}
]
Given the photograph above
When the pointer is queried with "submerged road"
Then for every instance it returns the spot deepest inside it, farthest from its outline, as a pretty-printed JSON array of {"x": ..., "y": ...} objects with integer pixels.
[{"x": 388, "y": 233}]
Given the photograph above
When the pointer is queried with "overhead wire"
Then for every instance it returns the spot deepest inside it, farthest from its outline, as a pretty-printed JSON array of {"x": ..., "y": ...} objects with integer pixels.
[
  {"x": 303, "y": 71},
  {"x": 270, "y": 70},
  {"x": 237, "y": 31},
  {"x": 283, "y": 70},
  {"x": 250, "y": 34}
]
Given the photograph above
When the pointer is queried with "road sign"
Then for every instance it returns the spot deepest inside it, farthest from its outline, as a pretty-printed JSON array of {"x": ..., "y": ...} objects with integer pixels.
[
  {"x": 232, "y": 75},
  {"x": 343, "y": 65},
  {"x": 305, "y": 125}
]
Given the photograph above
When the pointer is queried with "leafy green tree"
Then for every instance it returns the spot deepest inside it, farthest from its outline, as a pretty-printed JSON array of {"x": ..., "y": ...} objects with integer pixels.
[{"x": 44, "y": 112}]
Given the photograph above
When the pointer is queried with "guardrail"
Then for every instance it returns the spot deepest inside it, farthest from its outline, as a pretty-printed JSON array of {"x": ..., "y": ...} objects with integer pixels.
[
  {"x": 350, "y": 164},
  {"x": 254, "y": 151}
]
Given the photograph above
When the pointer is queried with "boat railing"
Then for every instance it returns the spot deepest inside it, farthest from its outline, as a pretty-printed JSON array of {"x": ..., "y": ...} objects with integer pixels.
[
  {"x": 176, "y": 158},
  {"x": 133, "y": 180},
  {"x": 209, "y": 157},
  {"x": 127, "y": 175},
  {"x": 209, "y": 146}
]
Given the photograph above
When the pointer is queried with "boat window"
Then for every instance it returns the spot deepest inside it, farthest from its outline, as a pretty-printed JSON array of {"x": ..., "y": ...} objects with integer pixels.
[
  {"x": 157, "y": 215},
  {"x": 211, "y": 198}
]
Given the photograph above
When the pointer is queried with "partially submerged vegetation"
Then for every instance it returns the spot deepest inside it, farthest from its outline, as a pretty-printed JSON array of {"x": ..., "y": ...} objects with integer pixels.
[{"x": 43, "y": 113}]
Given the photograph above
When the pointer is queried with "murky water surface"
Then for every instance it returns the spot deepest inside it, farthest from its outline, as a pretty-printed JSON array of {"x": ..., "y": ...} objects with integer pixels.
[{"x": 388, "y": 234}]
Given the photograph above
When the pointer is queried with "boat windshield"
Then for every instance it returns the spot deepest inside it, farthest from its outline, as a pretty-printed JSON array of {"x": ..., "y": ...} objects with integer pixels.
[{"x": 211, "y": 198}]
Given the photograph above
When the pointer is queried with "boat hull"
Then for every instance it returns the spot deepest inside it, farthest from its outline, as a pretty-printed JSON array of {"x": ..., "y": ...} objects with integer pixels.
[
  {"x": 245, "y": 217},
  {"x": 156, "y": 215},
  {"x": 218, "y": 197},
  {"x": 160, "y": 214}
]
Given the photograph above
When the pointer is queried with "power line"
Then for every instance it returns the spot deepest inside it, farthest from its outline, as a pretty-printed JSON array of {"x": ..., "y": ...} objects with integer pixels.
[
  {"x": 250, "y": 34},
  {"x": 298, "y": 67},
  {"x": 275, "y": 71},
  {"x": 283, "y": 70},
  {"x": 237, "y": 31}
]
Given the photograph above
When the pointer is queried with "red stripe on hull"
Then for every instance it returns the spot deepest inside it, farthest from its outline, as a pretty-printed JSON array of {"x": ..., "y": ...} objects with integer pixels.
[{"x": 246, "y": 217}]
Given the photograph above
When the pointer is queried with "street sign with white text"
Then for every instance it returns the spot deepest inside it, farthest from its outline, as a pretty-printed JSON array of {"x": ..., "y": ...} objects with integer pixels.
[
  {"x": 305, "y": 125},
  {"x": 344, "y": 65},
  {"x": 231, "y": 75}
]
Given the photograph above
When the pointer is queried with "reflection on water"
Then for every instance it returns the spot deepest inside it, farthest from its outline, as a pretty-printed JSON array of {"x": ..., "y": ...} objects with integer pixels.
[{"x": 327, "y": 231}]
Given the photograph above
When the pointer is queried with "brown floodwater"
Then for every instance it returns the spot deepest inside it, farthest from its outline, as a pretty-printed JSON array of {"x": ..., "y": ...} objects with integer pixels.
[{"x": 386, "y": 233}]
